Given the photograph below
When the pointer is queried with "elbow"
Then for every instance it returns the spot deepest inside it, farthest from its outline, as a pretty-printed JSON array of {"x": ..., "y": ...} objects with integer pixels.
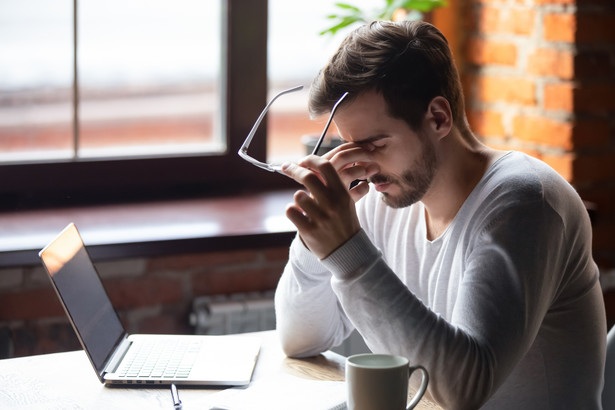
[
  {"x": 296, "y": 348},
  {"x": 299, "y": 342}
]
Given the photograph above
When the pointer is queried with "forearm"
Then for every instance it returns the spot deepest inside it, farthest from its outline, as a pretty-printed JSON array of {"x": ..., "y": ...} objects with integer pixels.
[
  {"x": 393, "y": 320},
  {"x": 308, "y": 315}
]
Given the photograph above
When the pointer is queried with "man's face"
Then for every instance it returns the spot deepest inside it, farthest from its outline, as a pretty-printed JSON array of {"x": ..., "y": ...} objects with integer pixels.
[{"x": 407, "y": 159}]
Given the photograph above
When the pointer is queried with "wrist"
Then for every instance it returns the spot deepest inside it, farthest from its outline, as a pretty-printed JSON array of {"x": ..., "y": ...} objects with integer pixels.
[{"x": 347, "y": 260}]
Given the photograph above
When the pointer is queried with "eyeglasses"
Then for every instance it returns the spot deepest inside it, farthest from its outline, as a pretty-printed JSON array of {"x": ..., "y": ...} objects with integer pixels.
[{"x": 243, "y": 151}]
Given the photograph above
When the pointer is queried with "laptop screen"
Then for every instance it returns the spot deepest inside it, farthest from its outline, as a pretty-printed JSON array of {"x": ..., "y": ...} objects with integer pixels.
[{"x": 83, "y": 295}]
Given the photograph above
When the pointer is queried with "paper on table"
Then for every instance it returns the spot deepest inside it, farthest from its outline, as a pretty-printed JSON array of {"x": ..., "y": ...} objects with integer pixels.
[{"x": 283, "y": 393}]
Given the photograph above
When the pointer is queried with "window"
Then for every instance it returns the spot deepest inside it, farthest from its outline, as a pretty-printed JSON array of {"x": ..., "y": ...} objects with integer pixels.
[
  {"x": 148, "y": 78},
  {"x": 165, "y": 94},
  {"x": 35, "y": 79},
  {"x": 296, "y": 52},
  {"x": 79, "y": 168}
]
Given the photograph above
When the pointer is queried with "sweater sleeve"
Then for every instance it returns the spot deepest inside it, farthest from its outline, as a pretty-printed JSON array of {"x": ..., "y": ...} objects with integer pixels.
[
  {"x": 470, "y": 355},
  {"x": 309, "y": 317}
]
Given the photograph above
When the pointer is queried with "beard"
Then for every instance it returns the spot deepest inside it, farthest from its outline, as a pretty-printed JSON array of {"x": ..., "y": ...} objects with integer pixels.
[{"x": 414, "y": 182}]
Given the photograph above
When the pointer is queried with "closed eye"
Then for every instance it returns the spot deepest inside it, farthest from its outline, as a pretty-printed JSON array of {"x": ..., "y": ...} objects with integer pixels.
[{"x": 379, "y": 142}]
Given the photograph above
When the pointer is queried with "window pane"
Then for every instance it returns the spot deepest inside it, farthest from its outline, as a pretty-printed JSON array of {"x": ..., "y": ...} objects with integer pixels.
[
  {"x": 296, "y": 53},
  {"x": 149, "y": 77},
  {"x": 35, "y": 80}
]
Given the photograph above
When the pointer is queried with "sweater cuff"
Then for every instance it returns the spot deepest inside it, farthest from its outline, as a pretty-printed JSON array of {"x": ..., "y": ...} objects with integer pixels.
[
  {"x": 303, "y": 258},
  {"x": 351, "y": 259}
]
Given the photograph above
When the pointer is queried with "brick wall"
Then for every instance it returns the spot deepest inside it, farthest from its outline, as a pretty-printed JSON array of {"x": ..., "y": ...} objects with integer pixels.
[
  {"x": 152, "y": 295},
  {"x": 539, "y": 77}
]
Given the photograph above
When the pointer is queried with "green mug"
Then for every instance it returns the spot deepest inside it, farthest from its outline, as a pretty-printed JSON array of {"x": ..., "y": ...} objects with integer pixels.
[{"x": 380, "y": 381}]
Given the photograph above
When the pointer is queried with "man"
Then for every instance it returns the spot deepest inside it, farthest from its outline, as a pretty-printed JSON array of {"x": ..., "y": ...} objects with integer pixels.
[{"x": 472, "y": 262}]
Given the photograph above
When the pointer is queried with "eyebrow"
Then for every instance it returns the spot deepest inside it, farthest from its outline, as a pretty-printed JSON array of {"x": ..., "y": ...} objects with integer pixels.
[{"x": 373, "y": 138}]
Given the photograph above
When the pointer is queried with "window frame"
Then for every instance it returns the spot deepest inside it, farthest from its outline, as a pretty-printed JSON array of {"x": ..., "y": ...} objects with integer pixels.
[{"x": 244, "y": 94}]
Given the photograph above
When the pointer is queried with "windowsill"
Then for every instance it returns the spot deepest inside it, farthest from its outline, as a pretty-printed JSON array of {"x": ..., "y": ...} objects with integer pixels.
[{"x": 151, "y": 228}]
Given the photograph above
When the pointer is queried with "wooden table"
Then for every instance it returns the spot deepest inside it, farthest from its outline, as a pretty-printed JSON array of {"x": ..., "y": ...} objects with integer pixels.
[{"x": 67, "y": 380}]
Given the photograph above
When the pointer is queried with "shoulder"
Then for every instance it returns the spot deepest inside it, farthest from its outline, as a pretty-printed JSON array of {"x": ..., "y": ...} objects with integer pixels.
[
  {"x": 526, "y": 188},
  {"x": 527, "y": 179}
]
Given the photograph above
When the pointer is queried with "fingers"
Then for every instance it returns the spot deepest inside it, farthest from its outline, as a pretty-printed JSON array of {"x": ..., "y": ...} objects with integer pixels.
[
  {"x": 298, "y": 217},
  {"x": 318, "y": 175},
  {"x": 325, "y": 214},
  {"x": 359, "y": 190},
  {"x": 353, "y": 161}
]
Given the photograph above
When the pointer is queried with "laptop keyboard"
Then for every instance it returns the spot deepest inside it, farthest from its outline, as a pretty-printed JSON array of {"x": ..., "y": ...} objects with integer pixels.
[{"x": 161, "y": 359}]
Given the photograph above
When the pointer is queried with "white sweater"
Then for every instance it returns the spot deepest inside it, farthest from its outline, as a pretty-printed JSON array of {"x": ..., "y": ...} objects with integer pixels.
[{"x": 504, "y": 309}]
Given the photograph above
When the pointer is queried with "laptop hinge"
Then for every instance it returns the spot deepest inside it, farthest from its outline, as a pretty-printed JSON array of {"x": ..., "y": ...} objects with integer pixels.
[{"x": 119, "y": 354}]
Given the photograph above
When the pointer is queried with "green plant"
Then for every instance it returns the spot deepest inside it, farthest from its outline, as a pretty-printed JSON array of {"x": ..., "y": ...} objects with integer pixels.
[{"x": 350, "y": 14}]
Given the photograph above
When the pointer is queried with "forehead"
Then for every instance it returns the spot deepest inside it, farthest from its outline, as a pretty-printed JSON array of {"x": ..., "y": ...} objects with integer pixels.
[
  {"x": 366, "y": 102},
  {"x": 366, "y": 118}
]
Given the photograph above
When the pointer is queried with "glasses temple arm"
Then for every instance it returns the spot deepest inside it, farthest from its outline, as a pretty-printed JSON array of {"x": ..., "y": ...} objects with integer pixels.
[
  {"x": 246, "y": 143},
  {"x": 324, "y": 132}
]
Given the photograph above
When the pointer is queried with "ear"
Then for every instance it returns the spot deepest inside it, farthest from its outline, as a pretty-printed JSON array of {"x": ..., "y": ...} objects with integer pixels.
[{"x": 439, "y": 117}]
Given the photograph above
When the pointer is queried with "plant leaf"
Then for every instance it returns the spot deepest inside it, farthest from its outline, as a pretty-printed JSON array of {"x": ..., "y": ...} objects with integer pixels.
[
  {"x": 347, "y": 6},
  {"x": 349, "y": 14},
  {"x": 422, "y": 5},
  {"x": 345, "y": 22}
]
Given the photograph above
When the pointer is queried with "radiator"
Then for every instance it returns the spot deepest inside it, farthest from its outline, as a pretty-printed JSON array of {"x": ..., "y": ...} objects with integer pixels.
[
  {"x": 236, "y": 313},
  {"x": 249, "y": 312}
]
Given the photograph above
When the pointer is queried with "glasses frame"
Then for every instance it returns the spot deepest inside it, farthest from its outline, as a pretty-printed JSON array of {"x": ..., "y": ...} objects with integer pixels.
[{"x": 243, "y": 151}]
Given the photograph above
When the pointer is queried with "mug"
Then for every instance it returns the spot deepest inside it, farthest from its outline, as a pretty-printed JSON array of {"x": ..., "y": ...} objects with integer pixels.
[{"x": 380, "y": 381}]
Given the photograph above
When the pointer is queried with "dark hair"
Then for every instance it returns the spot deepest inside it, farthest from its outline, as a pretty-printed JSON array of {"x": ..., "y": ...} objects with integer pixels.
[{"x": 409, "y": 62}]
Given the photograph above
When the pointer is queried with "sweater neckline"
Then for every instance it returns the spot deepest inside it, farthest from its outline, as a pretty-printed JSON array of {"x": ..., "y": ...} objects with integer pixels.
[{"x": 481, "y": 182}]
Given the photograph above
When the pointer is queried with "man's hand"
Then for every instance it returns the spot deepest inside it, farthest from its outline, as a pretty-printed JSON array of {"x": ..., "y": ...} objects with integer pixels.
[{"x": 325, "y": 216}]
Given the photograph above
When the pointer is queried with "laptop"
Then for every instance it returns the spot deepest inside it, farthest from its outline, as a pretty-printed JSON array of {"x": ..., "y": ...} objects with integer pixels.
[{"x": 126, "y": 359}]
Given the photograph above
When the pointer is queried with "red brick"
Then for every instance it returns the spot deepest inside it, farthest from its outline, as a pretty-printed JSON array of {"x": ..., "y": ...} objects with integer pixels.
[
  {"x": 276, "y": 254},
  {"x": 141, "y": 292},
  {"x": 597, "y": 98},
  {"x": 559, "y": 96},
  {"x": 551, "y": 62},
  {"x": 531, "y": 152},
  {"x": 563, "y": 164},
  {"x": 516, "y": 90},
  {"x": 541, "y": 130},
  {"x": 239, "y": 281},
  {"x": 488, "y": 20},
  {"x": 30, "y": 304},
  {"x": 506, "y": 20},
  {"x": 164, "y": 323},
  {"x": 486, "y": 123},
  {"x": 448, "y": 22},
  {"x": 560, "y": 27},
  {"x": 519, "y": 21},
  {"x": 179, "y": 262},
  {"x": 44, "y": 338},
  {"x": 543, "y": 2},
  {"x": 483, "y": 52},
  {"x": 469, "y": 84}
]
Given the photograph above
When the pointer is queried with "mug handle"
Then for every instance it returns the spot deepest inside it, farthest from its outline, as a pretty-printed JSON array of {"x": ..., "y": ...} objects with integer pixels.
[{"x": 424, "y": 381}]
